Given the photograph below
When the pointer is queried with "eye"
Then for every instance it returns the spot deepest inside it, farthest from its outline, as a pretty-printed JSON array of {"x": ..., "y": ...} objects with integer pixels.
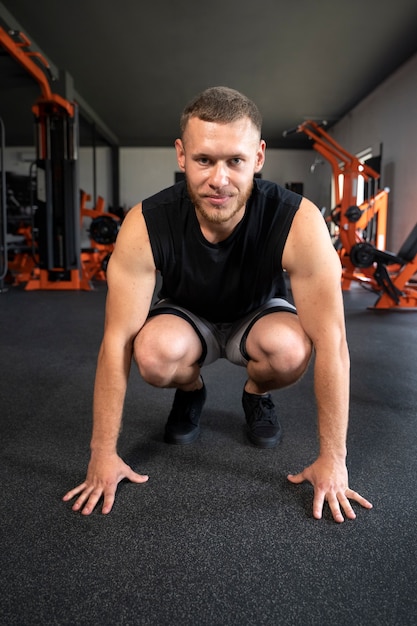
[
  {"x": 203, "y": 160},
  {"x": 236, "y": 161}
]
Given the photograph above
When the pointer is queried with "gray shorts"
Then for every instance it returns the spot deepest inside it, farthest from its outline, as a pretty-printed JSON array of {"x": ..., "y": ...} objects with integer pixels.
[{"x": 222, "y": 340}]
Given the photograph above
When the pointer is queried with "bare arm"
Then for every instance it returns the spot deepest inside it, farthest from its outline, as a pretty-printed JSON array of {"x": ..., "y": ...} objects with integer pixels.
[
  {"x": 131, "y": 282},
  {"x": 315, "y": 274}
]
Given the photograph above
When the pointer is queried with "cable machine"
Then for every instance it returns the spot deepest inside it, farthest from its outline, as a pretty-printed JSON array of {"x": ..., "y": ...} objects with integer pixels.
[{"x": 57, "y": 216}]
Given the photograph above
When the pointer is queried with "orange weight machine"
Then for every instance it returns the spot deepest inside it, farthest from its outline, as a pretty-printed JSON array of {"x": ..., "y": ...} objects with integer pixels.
[
  {"x": 364, "y": 259},
  {"x": 23, "y": 261},
  {"x": 57, "y": 215},
  {"x": 102, "y": 231}
]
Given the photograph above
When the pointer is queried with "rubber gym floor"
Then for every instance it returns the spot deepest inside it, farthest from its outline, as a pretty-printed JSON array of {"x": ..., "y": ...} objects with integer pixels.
[{"x": 217, "y": 536}]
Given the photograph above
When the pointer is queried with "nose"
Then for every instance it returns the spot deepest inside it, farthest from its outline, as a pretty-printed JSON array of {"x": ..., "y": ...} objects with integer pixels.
[{"x": 219, "y": 175}]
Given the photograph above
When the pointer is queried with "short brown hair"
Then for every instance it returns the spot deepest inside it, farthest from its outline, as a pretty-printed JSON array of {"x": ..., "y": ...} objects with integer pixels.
[{"x": 223, "y": 105}]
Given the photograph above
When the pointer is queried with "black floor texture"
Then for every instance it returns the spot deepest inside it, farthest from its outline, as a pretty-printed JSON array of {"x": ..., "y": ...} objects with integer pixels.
[{"x": 217, "y": 536}]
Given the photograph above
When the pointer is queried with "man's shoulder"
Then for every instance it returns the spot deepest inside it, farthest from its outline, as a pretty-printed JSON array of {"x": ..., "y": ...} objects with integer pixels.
[
  {"x": 167, "y": 196},
  {"x": 275, "y": 193}
]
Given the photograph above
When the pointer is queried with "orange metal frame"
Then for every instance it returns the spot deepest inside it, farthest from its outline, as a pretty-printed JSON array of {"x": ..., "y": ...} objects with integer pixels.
[
  {"x": 19, "y": 51},
  {"x": 349, "y": 166},
  {"x": 350, "y": 230},
  {"x": 24, "y": 260}
]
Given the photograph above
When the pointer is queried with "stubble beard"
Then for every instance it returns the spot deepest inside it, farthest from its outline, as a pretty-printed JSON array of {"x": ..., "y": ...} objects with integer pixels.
[{"x": 219, "y": 215}]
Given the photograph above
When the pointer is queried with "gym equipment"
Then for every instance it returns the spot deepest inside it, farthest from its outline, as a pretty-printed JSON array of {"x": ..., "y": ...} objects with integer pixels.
[
  {"x": 23, "y": 255},
  {"x": 3, "y": 214},
  {"x": 102, "y": 231},
  {"x": 56, "y": 122},
  {"x": 48, "y": 255},
  {"x": 364, "y": 258},
  {"x": 23, "y": 259},
  {"x": 392, "y": 272}
]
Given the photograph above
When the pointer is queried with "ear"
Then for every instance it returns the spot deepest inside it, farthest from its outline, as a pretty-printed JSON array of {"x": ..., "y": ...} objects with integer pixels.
[
  {"x": 260, "y": 156},
  {"x": 179, "y": 147}
]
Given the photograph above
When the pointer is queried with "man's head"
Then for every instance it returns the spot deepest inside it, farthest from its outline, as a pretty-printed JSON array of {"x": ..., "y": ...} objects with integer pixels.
[
  {"x": 221, "y": 105},
  {"x": 220, "y": 151}
]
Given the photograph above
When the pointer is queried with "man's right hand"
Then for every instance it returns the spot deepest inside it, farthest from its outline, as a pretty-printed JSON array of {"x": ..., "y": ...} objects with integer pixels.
[{"x": 103, "y": 476}]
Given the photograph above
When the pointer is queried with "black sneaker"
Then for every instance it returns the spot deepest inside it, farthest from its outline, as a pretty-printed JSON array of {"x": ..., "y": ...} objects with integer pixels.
[
  {"x": 183, "y": 421},
  {"x": 264, "y": 429}
]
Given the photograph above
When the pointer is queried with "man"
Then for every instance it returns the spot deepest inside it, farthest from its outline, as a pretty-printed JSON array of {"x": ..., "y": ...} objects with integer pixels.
[{"x": 221, "y": 242}]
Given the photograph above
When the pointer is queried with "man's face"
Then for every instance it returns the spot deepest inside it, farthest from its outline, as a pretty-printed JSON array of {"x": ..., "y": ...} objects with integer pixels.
[{"x": 219, "y": 161}]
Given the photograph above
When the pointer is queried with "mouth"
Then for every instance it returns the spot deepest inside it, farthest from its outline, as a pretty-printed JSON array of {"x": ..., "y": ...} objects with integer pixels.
[{"x": 217, "y": 200}]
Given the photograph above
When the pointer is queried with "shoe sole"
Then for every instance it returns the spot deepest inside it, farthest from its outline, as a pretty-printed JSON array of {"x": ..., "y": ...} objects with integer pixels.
[
  {"x": 181, "y": 440},
  {"x": 261, "y": 442}
]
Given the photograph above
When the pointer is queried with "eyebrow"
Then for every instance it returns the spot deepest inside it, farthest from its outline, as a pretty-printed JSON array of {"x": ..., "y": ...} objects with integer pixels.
[{"x": 204, "y": 155}]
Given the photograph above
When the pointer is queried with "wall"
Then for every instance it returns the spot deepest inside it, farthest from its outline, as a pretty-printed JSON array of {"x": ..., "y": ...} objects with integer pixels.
[
  {"x": 389, "y": 117},
  {"x": 145, "y": 171},
  {"x": 103, "y": 181},
  {"x": 285, "y": 166}
]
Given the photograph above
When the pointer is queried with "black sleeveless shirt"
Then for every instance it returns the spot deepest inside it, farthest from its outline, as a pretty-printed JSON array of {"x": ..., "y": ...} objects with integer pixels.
[{"x": 223, "y": 281}]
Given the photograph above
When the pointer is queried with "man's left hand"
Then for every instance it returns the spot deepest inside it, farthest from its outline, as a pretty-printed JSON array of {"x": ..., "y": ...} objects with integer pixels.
[{"x": 330, "y": 483}]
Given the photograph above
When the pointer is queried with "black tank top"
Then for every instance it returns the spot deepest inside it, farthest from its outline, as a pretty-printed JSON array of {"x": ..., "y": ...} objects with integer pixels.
[{"x": 223, "y": 281}]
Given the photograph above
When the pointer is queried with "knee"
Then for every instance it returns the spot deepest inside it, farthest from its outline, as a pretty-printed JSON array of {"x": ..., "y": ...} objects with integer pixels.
[
  {"x": 298, "y": 347},
  {"x": 158, "y": 356},
  {"x": 151, "y": 359},
  {"x": 288, "y": 350},
  {"x": 291, "y": 354},
  {"x": 149, "y": 366}
]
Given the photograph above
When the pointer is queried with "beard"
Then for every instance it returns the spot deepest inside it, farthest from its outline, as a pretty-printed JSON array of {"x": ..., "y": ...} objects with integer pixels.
[{"x": 220, "y": 214}]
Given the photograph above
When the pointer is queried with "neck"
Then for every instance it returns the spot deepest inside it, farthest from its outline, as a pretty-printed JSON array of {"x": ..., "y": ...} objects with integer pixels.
[{"x": 214, "y": 231}]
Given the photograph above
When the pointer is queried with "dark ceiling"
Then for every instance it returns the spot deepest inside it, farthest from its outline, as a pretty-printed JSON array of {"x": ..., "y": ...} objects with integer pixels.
[{"x": 135, "y": 64}]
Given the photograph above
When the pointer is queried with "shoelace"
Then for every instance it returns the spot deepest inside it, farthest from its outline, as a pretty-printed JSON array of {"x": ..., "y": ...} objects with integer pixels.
[{"x": 259, "y": 413}]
